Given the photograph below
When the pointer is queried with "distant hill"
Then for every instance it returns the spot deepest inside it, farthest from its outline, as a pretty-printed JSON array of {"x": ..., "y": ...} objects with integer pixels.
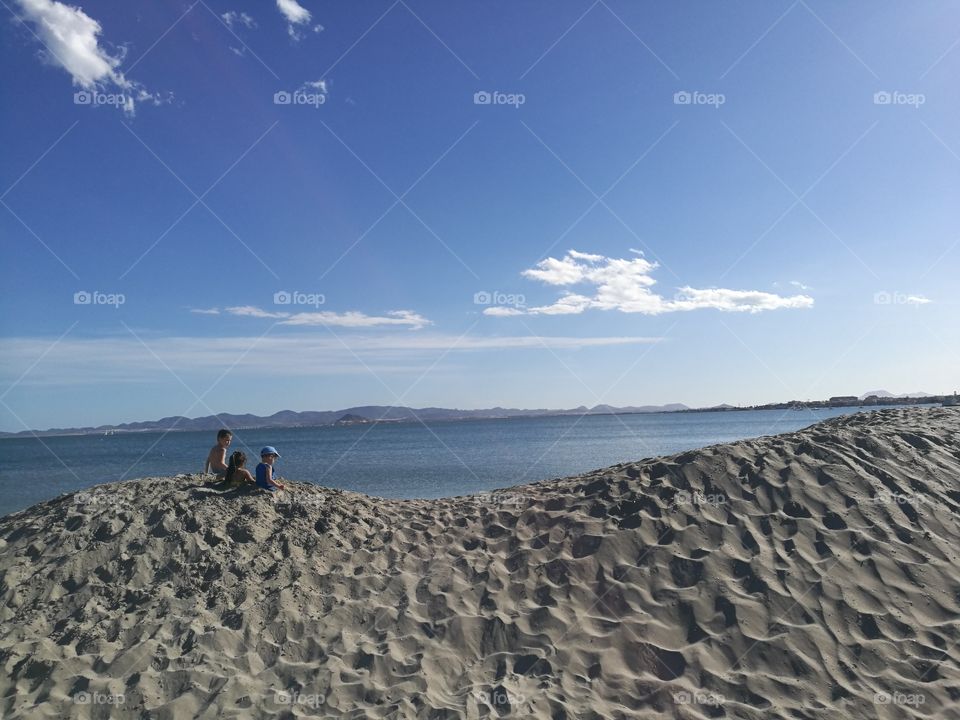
[
  {"x": 316, "y": 418},
  {"x": 878, "y": 393},
  {"x": 887, "y": 394}
]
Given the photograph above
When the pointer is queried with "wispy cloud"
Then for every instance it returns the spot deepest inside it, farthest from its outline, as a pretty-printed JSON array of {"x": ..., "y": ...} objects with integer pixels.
[
  {"x": 237, "y": 19},
  {"x": 319, "y": 85},
  {"x": 255, "y": 312},
  {"x": 799, "y": 285},
  {"x": 205, "y": 311},
  {"x": 625, "y": 285},
  {"x": 80, "y": 361},
  {"x": 351, "y": 319},
  {"x": 357, "y": 319},
  {"x": 71, "y": 39}
]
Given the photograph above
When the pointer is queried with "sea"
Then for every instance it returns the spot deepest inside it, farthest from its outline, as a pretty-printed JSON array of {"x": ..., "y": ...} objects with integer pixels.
[{"x": 390, "y": 460}]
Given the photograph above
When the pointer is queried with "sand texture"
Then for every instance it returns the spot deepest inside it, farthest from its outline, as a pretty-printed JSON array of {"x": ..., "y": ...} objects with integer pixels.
[{"x": 807, "y": 575}]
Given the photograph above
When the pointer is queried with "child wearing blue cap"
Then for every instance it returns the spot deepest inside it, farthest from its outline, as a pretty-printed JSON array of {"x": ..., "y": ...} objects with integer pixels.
[{"x": 265, "y": 479}]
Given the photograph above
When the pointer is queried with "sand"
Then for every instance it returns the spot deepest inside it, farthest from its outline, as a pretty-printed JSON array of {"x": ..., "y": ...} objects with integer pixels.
[{"x": 807, "y": 575}]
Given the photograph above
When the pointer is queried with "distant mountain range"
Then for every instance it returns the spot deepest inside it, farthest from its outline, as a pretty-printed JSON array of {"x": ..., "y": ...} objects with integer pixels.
[
  {"x": 349, "y": 416},
  {"x": 365, "y": 414}
]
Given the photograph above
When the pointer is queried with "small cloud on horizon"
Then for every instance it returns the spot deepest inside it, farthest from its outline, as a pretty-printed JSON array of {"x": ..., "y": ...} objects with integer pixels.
[{"x": 625, "y": 285}]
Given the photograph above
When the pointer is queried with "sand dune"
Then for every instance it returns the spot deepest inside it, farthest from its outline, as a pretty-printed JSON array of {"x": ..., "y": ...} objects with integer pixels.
[{"x": 808, "y": 575}]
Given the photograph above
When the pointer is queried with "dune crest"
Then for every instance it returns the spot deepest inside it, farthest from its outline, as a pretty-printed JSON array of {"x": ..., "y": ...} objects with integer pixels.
[{"x": 812, "y": 574}]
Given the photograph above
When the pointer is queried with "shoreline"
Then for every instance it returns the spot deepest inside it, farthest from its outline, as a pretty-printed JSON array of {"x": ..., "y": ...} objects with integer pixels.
[{"x": 110, "y": 430}]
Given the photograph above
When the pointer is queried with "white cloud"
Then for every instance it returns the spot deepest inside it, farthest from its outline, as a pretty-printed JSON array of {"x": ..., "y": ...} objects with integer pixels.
[
  {"x": 625, "y": 285},
  {"x": 205, "y": 311},
  {"x": 917, "y": 300},
  {"x": 800, "y": 285},
  {"x": 294, "y": 12},
  {"x": 502, "y": 311},
  {"x": 752, "y": 301},
  {"x": 71, "y": 40},
  {"x": 297, "y": 15},
  {"x": 236, "y": 19},
  {"x": 351, "y": 319}
]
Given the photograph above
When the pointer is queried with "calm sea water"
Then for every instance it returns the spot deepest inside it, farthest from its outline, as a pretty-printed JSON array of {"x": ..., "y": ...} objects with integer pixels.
[{"x": 406, "y": 460}]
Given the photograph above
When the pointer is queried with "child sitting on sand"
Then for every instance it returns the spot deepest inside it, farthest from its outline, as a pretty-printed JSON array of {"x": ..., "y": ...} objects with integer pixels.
[
  {"x": 237, "y": 474},
  {"x": 265, "y": 470},
  {"x": 217, "y": 457}
]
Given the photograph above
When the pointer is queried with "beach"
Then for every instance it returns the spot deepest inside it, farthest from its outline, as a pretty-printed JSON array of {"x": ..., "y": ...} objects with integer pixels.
[{"x": 810, "y": 574}]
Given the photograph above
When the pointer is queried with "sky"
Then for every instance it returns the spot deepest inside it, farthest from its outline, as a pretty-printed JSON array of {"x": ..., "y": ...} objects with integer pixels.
[{"x": 227, "y": 206}]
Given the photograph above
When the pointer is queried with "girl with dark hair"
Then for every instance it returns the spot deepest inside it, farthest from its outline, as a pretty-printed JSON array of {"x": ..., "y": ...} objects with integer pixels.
[
  {"x": 236, "y": 473},
  {"x": 217, "y": 457}
]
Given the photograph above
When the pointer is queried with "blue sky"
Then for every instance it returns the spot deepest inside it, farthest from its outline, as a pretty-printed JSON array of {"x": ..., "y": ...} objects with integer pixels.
[{"x": 246, "y": 207}]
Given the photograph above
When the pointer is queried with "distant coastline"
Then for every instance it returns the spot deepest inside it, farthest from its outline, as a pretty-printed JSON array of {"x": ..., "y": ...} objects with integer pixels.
[{"x": 377, "y": 414}]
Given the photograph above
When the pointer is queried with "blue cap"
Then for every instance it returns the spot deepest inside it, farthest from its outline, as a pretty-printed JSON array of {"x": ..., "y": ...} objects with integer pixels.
[{"x": 269, "y": 450}]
